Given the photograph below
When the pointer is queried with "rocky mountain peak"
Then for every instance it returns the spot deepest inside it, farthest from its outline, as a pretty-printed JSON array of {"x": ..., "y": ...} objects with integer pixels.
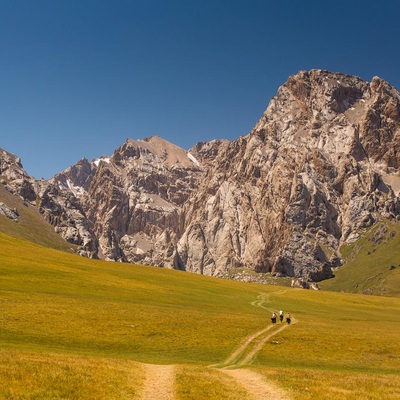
[
  {"x": 78, "y": 177},
  {"x": 14, "y": 178},
  {"x": 153, "y": 150},
  {"x": 11, "y": 167},
  {"x": 319, "y": 166}
]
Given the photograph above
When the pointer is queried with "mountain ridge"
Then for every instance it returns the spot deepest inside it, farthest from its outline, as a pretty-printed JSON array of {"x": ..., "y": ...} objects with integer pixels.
[{"x": 319, "y": 167}]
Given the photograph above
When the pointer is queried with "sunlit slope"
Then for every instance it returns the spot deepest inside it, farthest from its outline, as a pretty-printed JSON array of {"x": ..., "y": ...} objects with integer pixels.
[
  {"x": 372, "y": 264},
  {"x": 54, "y": 301},
  {"x": 60, "y": 302},
  {"x": 61, "y": 313},
  {"x": 31, "y": 225}
]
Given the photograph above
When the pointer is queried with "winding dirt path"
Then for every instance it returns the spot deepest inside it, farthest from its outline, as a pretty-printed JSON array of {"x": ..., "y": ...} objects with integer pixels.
[
  {"x": 160, "y": 379},
  {"x": 241, "y": 350},
  {"x": 256, "y": 385},
  {"x": 250, "y": 354},
  {"x": 159, "y": 382},
  {"x": 249, "y": 348}
]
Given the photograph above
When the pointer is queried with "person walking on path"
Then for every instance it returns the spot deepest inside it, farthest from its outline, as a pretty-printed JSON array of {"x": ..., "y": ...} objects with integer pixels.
[
  {"x": 273, "y": 318},
  {"x": 281, "y": 316},
  {"x": 288, "y": 319}
]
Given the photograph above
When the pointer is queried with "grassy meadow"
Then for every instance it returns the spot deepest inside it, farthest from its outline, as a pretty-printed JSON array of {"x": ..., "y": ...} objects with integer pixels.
[
  {"x": 372, "y": 263},
  {"x": 75, "y": 328}
]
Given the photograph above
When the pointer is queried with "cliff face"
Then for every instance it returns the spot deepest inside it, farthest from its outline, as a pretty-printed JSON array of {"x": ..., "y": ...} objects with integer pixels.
[
  {"x": 320, "y": 166},
  {"x": 130, "y": 206},
  {"x": 135, "y": 201},
  {"x": 14, "y": 178}
]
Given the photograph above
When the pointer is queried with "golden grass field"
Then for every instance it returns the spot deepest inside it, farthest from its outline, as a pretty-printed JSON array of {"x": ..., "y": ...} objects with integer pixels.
[{"x": 75, "y": 328}]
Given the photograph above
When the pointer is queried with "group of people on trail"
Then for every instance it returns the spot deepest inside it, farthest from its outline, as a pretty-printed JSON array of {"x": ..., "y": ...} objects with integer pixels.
[{"x": 281, "y": 317}]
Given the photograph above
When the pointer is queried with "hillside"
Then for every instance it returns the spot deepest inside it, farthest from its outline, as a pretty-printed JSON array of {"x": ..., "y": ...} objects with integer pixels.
[
  {"x": 30, "y": 225},
  {"x": 372, "y": 263},
  {"x": 72, "y": 327}
]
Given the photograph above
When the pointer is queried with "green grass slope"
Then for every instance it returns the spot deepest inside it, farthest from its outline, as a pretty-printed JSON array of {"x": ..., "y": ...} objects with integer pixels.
[
  {"x": 372, "y": 264},
  {"x": 67, "y": 303},
  {"x": 31, "y": 225},
  {"x": 75, "y": 328}
]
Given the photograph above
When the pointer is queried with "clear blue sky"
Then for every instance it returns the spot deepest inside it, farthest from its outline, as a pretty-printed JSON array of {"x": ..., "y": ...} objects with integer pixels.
[{"x": 78, "y": 77}]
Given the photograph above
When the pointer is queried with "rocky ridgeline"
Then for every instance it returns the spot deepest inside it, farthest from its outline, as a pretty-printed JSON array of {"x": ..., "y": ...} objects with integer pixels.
[{"x": 320, "y": 166}]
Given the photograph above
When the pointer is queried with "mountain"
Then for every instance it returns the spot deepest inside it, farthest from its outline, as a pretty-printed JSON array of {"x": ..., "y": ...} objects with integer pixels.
[
  {"x": 19, "y": 214},
  {"x": 129, "y": 207},
  {"x": 319, "y": 168}
]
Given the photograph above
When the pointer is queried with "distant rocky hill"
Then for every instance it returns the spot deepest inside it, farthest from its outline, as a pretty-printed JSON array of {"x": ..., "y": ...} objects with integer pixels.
[{"x": 319, "y": 167}]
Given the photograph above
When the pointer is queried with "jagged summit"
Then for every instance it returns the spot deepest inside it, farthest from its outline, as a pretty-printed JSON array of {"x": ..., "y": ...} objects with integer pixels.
[
  {"x": 337, "y": 114},
  {"x": 321, "y": 165},
  {"x": 11, "y": 166},
  {"x": 166, "y": 152}
]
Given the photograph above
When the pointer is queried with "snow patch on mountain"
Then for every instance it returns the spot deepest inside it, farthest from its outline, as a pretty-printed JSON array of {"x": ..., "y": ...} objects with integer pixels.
[
  {"x": 97, "y": 161},
  {"x": 76, "y": 190},
  {"x": 193, "y": 158}
]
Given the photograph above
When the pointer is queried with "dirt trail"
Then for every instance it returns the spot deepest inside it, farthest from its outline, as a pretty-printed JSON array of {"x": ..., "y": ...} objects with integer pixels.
[
  {"x": 249, "y": 355},
  {"x": 238, "y": 353},
  {"x": 159, "y": 383},
  {"x": 256, "y": 385},
  {"x": 249, "y": 348}
]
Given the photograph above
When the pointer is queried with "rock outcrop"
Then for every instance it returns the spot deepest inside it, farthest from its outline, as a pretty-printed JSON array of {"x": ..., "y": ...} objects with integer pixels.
[
  {"x": 14, "y": 178},
  {"x": 11, "y": 213}
]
